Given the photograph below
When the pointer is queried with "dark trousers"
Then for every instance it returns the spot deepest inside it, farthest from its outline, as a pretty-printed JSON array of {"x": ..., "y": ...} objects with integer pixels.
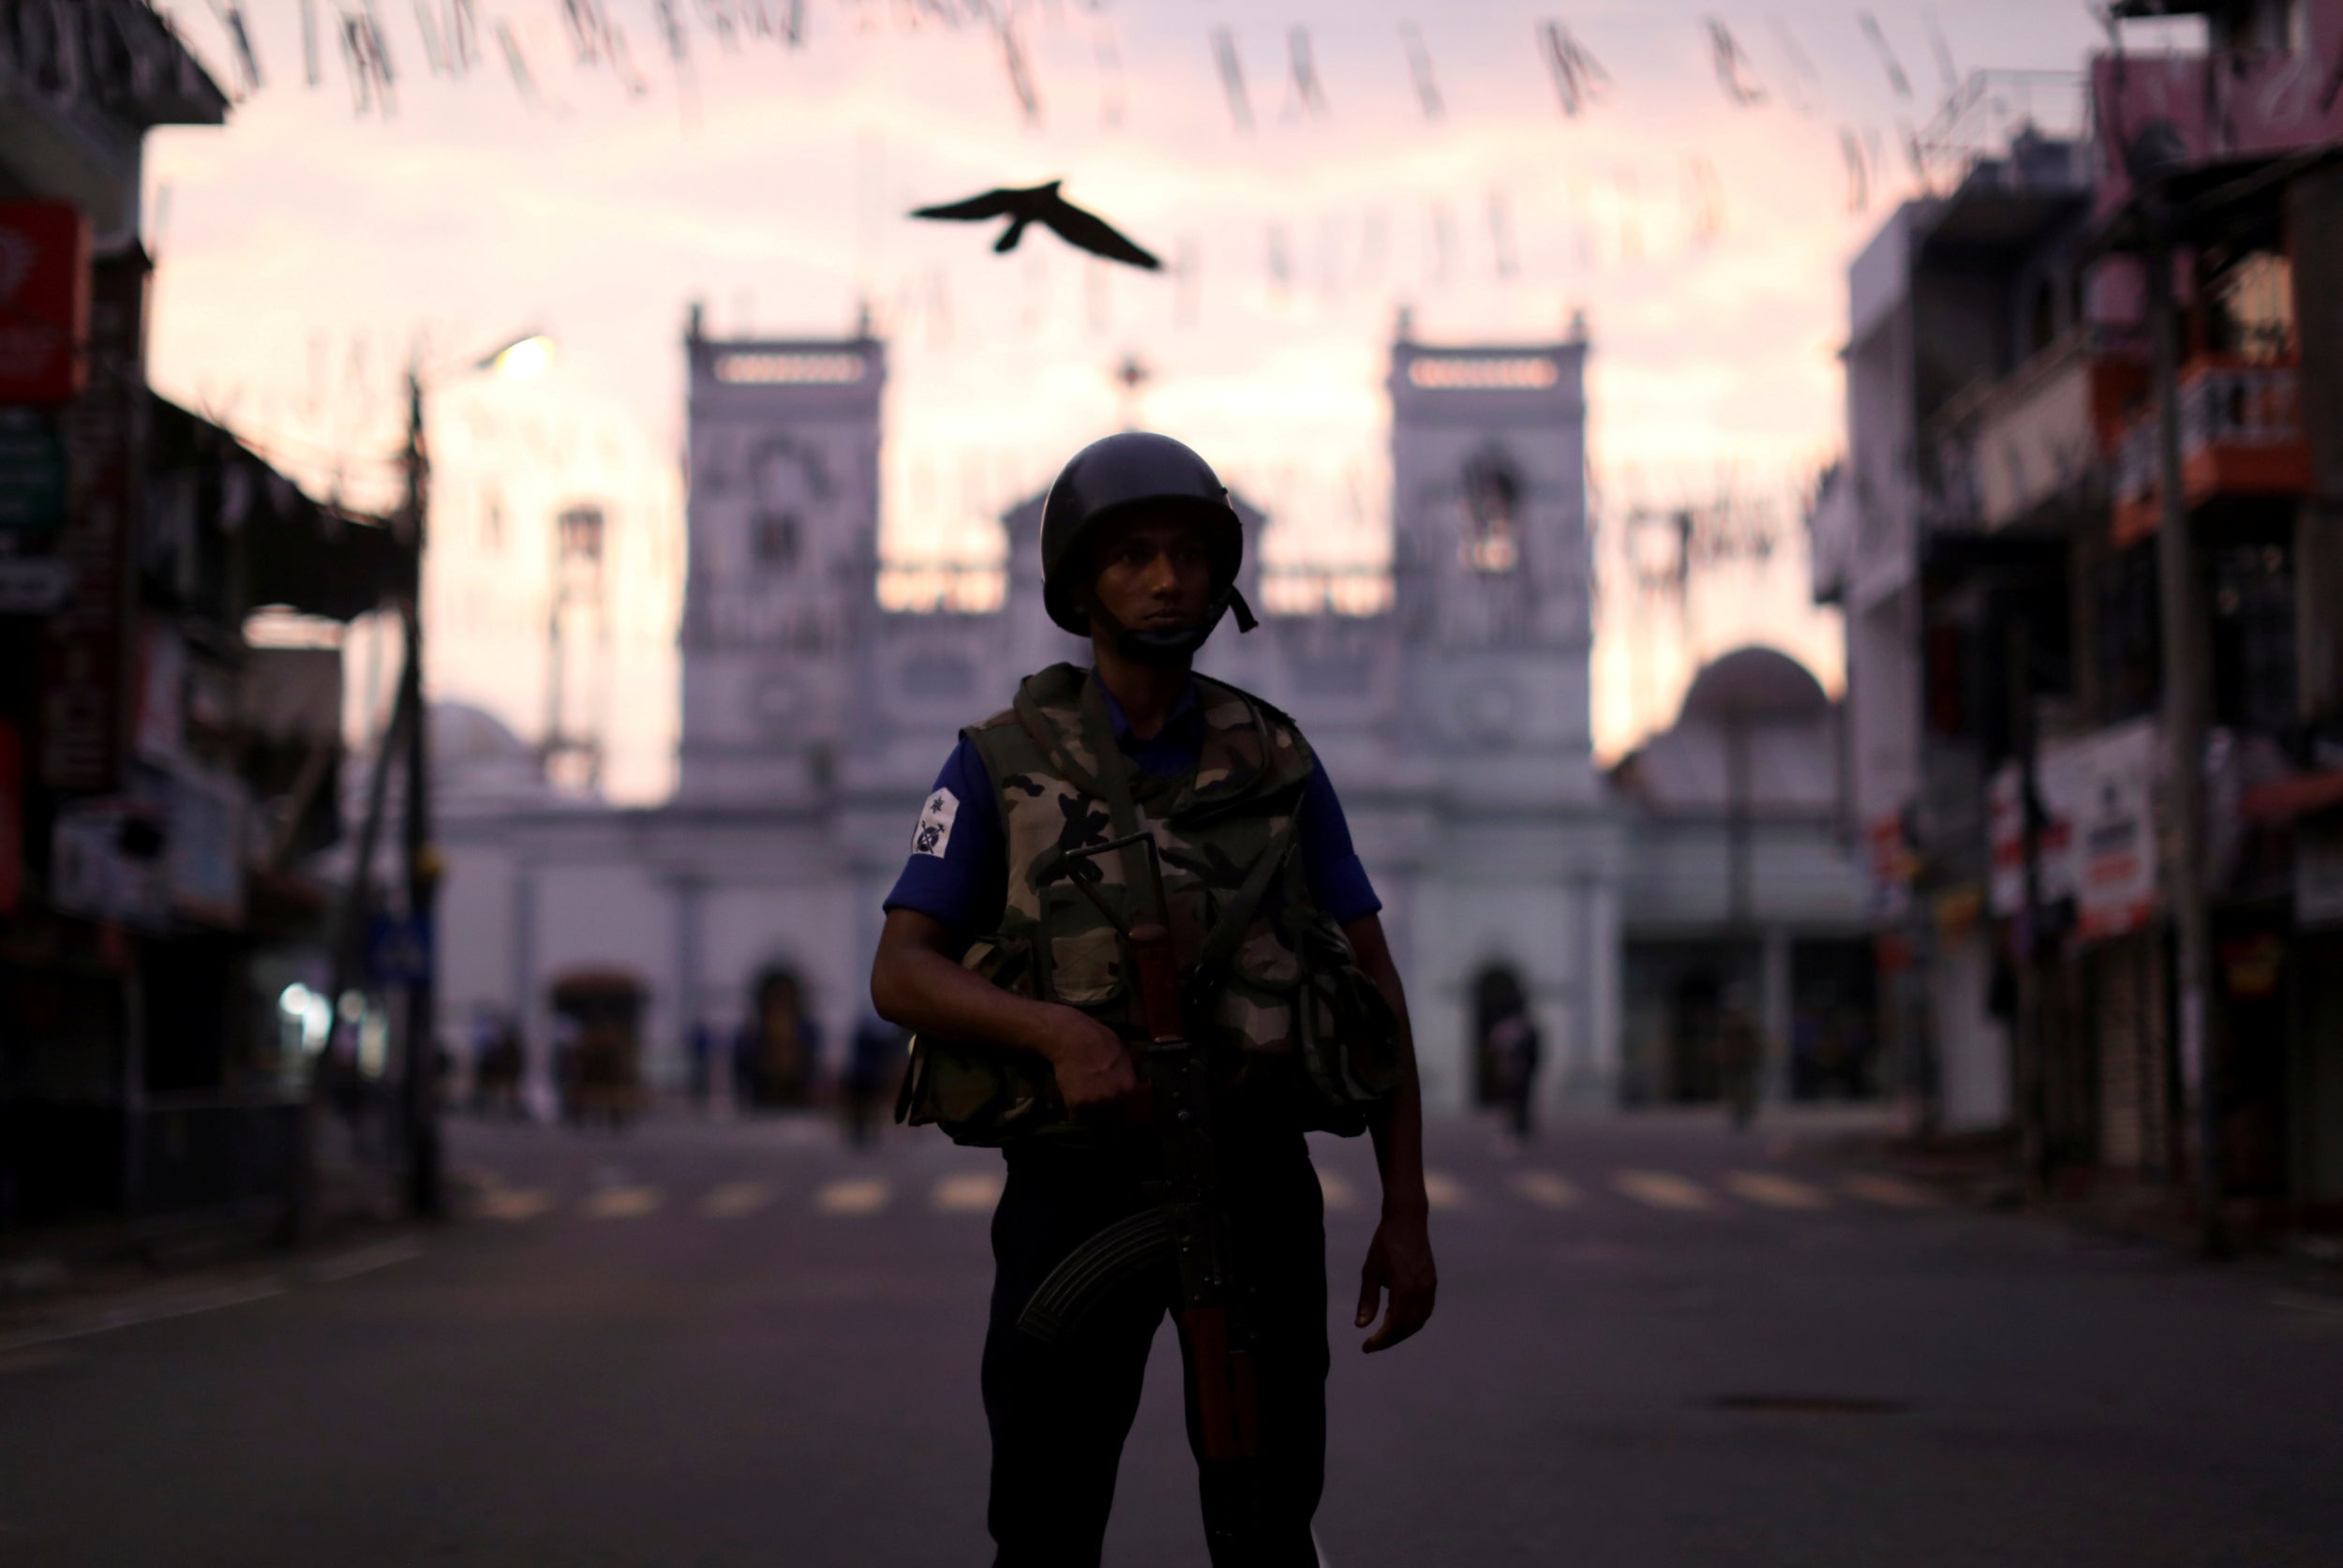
[{"x": 1059, "y": 1413}]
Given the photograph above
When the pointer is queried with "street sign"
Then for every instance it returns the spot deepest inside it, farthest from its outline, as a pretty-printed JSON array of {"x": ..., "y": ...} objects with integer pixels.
[
  {"x": 398, "y": 950},
  {"x": 34, "y": 585},
  {"x": 32, "y": 473}
]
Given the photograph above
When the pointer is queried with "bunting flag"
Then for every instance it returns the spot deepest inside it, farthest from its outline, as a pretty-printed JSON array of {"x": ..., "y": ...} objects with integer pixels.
[
  {"x": 1280, "y": 261},
  {"x": 1232, "y": 78},
  {"x": 716, "y": 16},
  {"x": 378, "y": 47},
  {"x": 1020, "y": 77},
  {"x": 312, "y": 65},
  {"x": 589, "y": 30},
  {"x": 427, "y": 27},
  {"x": 1888, "y": 61},
  {"x": 231, "y": 18},
  {"x": 1630, "y": 229},
  {"x": 1858, "y": 180},
  {"x": 1502, "y": 235},
  {"x": 1805, "y": 84},
  {"x": 1947, "y": 72},
  {"x": 1733, "y": 67},
  {"x": 1914, "y": 154},
  {"x": 1307, "y": 94},
  {"x": 1419, "y": 67},
  {"x": 516, "y": 63},
  {"x": 1579, "y": 79},
  {"x": 1707, "y": 201}
]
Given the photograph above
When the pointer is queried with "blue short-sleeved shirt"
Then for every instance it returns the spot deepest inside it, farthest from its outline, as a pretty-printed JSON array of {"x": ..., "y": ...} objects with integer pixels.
[{"x": 958, "y": 871}]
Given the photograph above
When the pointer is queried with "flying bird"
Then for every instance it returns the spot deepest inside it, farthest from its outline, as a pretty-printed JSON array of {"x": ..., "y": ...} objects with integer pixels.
[{"x": 1043, "y": 205}]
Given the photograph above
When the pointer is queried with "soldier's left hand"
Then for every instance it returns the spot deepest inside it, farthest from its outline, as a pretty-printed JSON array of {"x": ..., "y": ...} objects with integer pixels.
[{"x": 1399, "y": 1261}]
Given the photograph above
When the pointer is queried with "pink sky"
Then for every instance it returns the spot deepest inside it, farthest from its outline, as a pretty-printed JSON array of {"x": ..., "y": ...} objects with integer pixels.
[{"x": 305, "y": 247}]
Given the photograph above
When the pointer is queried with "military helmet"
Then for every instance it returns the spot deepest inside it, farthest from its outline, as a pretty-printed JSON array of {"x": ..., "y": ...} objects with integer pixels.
[{"x": 1119, "y": 471}]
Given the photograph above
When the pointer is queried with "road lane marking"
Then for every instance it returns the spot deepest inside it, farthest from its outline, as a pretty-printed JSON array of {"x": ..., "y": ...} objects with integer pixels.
[
  {"x": 155, "y": 1312},
  {"x": 1546, "y": 1189},
  {"x": 855, "y": 1195},
  {"x": 969, "y": 1192},
  {"x": 1895, "y": 1194},
  {"x": 513, "y": 1203},
  {"x": 623, "y": 1203},
  {"x": 1442, "y": 1191},
  {"x": 1774, "y": 1192},
  {"x": 1661, "y": 1190},
  {"x": 1337, "y": 1192},
  {"x": 364, "y": 1259},
  {"x": 736, "y": 1199}
]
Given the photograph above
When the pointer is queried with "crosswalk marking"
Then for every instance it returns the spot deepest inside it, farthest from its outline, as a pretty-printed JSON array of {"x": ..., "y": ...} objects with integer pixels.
[
  {"x": 1442, "y": 1190},
  {"x": 623, "y": 1203},
  {"x": 853, "y": 1195},
  {"x": 1662, "y": 1190},
  {"x": 969, "y": 1192},
  {"x": 1546, "y": 1189},
  {"x": 735, "y": 1199},
  {"x": 975, "y": 1192},
  {"x": 514, "y": 1202},
  {"x": 1774, "y": 1192},
  {"x": 1887, "y": 1190}
]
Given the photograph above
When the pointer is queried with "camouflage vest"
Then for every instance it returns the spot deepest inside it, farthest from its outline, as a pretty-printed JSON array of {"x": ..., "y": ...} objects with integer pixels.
[{"x": 1272, "y": 982}]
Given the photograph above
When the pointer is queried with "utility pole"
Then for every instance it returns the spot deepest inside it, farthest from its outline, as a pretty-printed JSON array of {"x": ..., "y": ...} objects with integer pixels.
[
  {"x": 2032, "y": 1042},
  {"x": 2184, "y": 732},
  {"x": 425, "y": 1193}
]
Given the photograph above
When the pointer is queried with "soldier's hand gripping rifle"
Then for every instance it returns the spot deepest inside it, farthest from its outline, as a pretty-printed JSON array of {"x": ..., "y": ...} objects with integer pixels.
[{"x": 1190, "y": 1228}]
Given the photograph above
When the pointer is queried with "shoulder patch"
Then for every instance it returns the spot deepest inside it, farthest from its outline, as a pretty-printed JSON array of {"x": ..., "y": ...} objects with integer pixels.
[{"x": 933, "y": 835}]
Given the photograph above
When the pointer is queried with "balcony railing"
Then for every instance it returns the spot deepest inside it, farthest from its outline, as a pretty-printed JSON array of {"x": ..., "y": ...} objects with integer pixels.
[
  {"x": 2043, "y": 434},
  {"x": 2241, "y": 434}
]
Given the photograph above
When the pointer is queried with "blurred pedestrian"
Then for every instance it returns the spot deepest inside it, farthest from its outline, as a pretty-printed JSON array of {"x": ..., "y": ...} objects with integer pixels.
[
  {"x": 1739, "y": 1054},
  {"x": 1514, "y": 1040},
  {"x": 699, "y": 1049},
  {"x": 870, "y": 1059}
]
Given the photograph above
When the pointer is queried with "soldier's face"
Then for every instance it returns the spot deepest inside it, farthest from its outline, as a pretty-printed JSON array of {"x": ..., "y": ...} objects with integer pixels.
[{"x": 1154, "y": 571}]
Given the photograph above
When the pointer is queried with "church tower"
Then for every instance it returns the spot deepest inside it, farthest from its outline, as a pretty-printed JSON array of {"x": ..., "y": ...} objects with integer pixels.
[
  {"x": 783, "y": 521},
  {"x": 1515, "y": 898},
  {"x": 1490, "y": 550}
]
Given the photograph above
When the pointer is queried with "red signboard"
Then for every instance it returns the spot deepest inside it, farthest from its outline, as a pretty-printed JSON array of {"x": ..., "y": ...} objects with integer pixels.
[
  {"x": 84, "y": 692},
  {"x": 44, "y": 301}
]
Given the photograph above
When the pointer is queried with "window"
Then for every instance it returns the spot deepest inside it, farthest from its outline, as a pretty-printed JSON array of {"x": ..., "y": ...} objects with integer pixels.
[
  {"x": 773, "y": 540},
  {"x": 1492, "y": 497}
]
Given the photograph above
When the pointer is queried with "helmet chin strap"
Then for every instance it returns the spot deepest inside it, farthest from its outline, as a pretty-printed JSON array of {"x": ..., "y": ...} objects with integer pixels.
[{"x": 1180, "y": 644}]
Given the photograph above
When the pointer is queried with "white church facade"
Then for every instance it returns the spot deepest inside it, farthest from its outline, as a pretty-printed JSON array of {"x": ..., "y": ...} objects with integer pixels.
[{"x": 1454, "y": 724}]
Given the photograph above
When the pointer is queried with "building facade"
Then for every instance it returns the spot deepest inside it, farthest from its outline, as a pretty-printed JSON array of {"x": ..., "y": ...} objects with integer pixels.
[
  {"x": 2086, "y": 539},
  {"x": 1455, "y": 722}
]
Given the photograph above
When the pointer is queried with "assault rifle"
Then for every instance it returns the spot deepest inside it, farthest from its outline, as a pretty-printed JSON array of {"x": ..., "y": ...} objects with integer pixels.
[{"x": 1189, "y": 1228}]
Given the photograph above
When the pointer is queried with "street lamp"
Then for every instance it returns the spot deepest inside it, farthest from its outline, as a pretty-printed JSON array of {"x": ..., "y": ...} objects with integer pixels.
[{"x": 523, "y": 357}]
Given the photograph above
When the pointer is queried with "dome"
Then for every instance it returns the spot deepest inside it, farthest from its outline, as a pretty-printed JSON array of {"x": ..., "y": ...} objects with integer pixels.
[
  {"x": 464, "y": 736},
  {"x": 1754, "y": 683}
]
